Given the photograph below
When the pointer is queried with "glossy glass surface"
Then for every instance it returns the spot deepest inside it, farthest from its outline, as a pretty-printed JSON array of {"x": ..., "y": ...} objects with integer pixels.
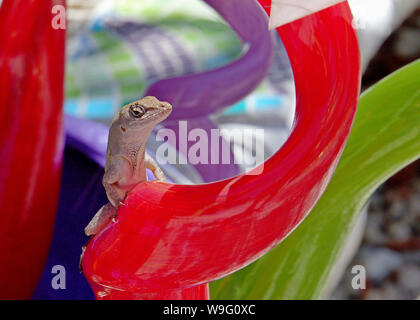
[
  {"x": 31, "y": 140},
  {"x": 175, "y": 236}
]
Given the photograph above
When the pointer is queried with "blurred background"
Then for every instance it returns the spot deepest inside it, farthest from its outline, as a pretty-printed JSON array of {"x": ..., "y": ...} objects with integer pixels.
[
  {"x": 389, "y": 33},
  {"x": 390, "y": 248},
  {"x": 117, "y": 48},
  {"x": 122, "y": 35}
]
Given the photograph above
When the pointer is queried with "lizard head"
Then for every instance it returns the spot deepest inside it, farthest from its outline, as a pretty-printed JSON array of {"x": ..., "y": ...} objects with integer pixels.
[{"x": 143, "y": 113}]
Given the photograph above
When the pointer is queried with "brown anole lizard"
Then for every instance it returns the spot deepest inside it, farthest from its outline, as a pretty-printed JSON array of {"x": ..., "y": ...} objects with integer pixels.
[{"x": 126, "y": 157}]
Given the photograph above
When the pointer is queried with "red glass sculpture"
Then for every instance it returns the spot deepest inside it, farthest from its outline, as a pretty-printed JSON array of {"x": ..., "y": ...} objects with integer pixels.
[
  {"x": 31, "y": 140},
  {"x": 168, "y": 241}
]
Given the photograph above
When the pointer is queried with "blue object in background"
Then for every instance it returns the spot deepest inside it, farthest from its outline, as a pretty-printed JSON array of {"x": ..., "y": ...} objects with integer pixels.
[{"x": 81, "y": 196}]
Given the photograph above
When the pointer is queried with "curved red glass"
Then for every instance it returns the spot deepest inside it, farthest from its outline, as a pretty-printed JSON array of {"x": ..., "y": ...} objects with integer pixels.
[
  {"x": 169, "y": 237},
  {"x": 31, "y": 140}
]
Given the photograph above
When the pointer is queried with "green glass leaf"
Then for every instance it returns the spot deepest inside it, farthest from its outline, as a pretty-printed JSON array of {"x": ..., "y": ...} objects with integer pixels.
[{"x": 384, "y": 139}]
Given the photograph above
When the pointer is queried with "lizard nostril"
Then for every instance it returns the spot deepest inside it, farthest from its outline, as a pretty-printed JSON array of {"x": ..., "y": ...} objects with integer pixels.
[
  {"x": 122, "y": 129},
  {"x": 166, "y": 106}
]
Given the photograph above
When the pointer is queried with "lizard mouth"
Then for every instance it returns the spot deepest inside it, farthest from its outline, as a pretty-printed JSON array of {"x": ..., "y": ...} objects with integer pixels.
[{"x": 156, "y": 113}]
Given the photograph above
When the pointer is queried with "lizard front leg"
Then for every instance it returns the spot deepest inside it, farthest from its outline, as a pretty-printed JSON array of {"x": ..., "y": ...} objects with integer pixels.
[
  {"x": 117, "y": 179},
  {"x": 117, "y": 172},
  {"x": 152, "y": 165}
]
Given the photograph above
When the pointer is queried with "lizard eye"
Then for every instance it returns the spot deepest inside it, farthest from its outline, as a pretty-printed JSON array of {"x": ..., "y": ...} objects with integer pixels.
[{"x": 137, "y": 111}]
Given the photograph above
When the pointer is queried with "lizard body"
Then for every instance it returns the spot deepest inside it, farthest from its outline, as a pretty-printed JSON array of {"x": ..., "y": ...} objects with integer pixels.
[{"x": 126, "y": 158}]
